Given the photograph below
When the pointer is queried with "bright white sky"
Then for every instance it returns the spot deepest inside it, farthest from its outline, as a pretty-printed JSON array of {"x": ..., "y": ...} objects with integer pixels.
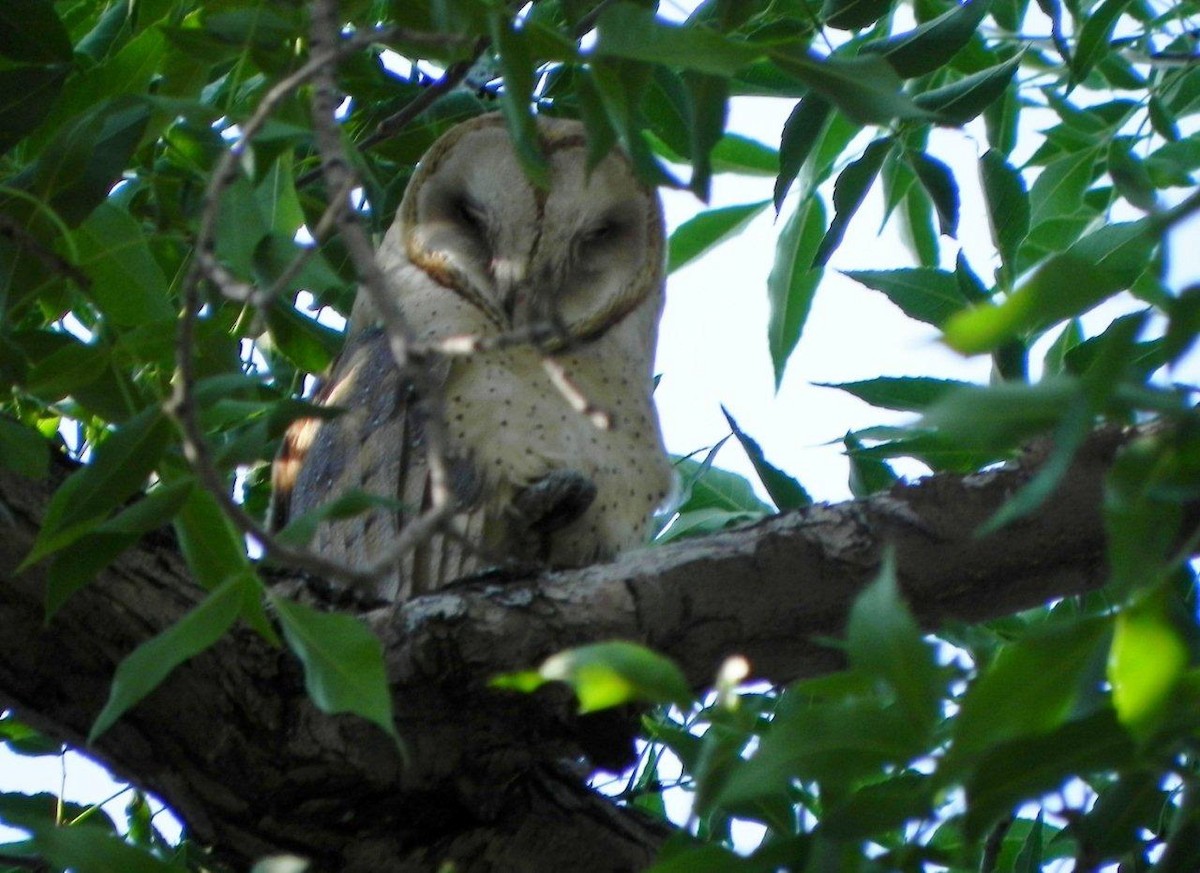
[{"x": 713, "y": 351}]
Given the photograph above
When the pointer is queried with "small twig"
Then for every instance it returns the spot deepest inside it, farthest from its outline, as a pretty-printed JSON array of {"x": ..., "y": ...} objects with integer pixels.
[
  {"x": 389, "y": 126},
  {"x": 338, "y": 174},
  {"x": 993, "y": 845},
  {"x": 574, "y": 395}
]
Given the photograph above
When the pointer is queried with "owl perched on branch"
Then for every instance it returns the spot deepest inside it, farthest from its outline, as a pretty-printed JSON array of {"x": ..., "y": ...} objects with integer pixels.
[{"x": 552, "y": 444}]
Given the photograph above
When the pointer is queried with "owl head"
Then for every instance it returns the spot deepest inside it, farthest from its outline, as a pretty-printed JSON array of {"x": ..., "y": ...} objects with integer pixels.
[{"x": 575, "y": 257}]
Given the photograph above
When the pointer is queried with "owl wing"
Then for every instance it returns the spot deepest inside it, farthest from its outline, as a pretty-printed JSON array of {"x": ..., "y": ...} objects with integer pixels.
[{"x": 376, "y": 446}]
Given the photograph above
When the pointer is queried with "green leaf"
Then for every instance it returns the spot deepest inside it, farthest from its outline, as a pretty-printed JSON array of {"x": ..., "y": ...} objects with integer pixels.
[
  {"x": 853, "y": 14},
  {"x": 867, "y": 475},
  {"x": 1028, "y": 767},
  {"x": 1029, "y": 859},
  {"x": 880, "y": 806},
  {"x": 119, "y": 468},
  {"x": 27, "y": 94},
  {"x": 800, "y": 134},
  {"x": 78, "y": 563},
  {"x": 1058, "y": 191},
  {"x": 792, "y": 282},
  {"x": 516, "y": 62},
  {"x": 707, "y": 520},
  {"x": 240, "y": 227},
  {"x": 151, "y": 662},
  {"x": 212, "y": 548},
  {"x": 91, "y": 850},
  {"x": 31, "y": 32},
  {"x": 784, "y": 490},
  {"x": 1030, "y": 688},
  {"x": 866, "y": 89},
  {"x": 1000, "y": 417},
  {"x": 1068, "y": 284},
  {"x": 849, "y": 191},
  {"x": 969, "y": 284},
  {"x": 832, "y": 742},
  {"x": 1124, "y": 808},
  {"x": 957, "y": 103},
  {"x": 1054, "y": 363},
  {"x": 1146, "y": 662},
  {"x": 927, "y": 295},
  {"x": 932, "y": 45},
  {"x": 709, "y": 487},
  {"x": 610, "y": 674},
  {"x": 78, "y": 167},
  {"x": 905, "y": 393},
  {"x": 884, "y": 641},
  {"x": 629, "y": 31},
  {"x": 343, "y": 662},
  {"x": 703, "y": 232},
  {"x": 1008, "y": 207},
  {"x": 69, "y": 367},
  {"x": 23, "y": 449},
  {"x": 916, "y": 227},
  {"x": 938, "y": 181},
  {"x": 1001, "y": 119},
  {"x": 127, "y": 283},
  {"x": 1130, "y": 175},
  {"x": 20, "y": 739},
  {"x": 709, "y": 104},
  {"x": 734, "y": 153},
  {"x": 306, "y": 342},
  {"x": 1094, "y": 36}
]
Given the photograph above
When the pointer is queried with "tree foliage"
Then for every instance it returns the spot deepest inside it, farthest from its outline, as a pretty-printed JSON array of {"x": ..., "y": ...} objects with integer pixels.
[{"x": 166, "y": 234}]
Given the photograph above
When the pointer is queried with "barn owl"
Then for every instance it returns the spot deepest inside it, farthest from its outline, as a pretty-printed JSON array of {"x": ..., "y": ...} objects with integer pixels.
[{"x": 477, "y": 251}]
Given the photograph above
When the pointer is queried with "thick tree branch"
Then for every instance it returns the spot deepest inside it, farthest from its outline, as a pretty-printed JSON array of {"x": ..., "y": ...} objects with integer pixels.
[{"x": 233, "y": 745}]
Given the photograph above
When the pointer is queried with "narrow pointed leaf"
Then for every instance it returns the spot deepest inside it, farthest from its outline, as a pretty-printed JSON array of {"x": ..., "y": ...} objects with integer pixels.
[
  {"x": 1059, "y": 190},
  {"x": 1094, "y": 36},
  {"x": 703, "y": 232},
  {"x": 927, "y": 295},
  {"x": 516, "y": 62},
  {"x": 1068, "y": 284},
  {"x": 884, "y": 641},
  {"x": 904, "y": 393},
  {"x": 785, "y": 491},
  {"x": 866, "y": 89},
  {"x": 151, "y": 662},
  {"x": 793, "y": 282},
  {"x": 959, "y": 102},
  {"x": 1007, "y": 206},
  {"x": 853, "y": 14},
  {"x": 343, "y": 662},
  {"x": 938, "y": 181},
  {"x": 849, "y": 191},
  {"x": 868, "y": 475},
  {"x": 935, "y": 42},
  {"x": 800, "y": 134},
  {"x": 119, "y": 468},
  {"x": 629, "y": 31}
]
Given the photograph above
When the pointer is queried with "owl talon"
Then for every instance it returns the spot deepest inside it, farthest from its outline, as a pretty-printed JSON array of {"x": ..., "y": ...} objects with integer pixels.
[{"x": 554, "y": 501}]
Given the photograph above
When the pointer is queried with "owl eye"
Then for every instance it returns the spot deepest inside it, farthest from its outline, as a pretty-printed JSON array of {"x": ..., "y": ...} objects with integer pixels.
[
  {"x": 602, "y": 232},
  {"x": 470, "y": 215}
]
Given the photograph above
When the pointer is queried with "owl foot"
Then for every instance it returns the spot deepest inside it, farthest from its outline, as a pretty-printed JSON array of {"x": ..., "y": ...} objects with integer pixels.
[{"x": 554, "y": 501}]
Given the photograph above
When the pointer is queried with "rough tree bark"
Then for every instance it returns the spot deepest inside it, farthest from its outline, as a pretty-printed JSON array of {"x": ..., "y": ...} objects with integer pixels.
[{"x": 233, "y": 746}]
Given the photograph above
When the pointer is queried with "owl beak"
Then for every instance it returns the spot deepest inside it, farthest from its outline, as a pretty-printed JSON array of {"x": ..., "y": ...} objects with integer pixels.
[{"x": 507, "y": 274}]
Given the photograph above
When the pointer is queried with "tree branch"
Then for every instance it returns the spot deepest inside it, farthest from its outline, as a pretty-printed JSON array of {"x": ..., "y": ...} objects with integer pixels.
[{"x": 233, "y": 745}]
